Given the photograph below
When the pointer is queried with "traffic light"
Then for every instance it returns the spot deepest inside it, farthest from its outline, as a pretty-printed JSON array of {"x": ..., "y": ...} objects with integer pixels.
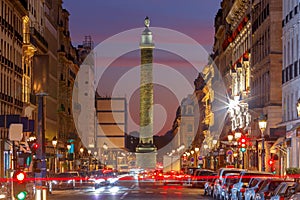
[
  {"x": 19, "y": 185},
  {"x": 34, "y": 148},
  {"x": 243, "y": 144},
  {"x": 271, "y": 163}
]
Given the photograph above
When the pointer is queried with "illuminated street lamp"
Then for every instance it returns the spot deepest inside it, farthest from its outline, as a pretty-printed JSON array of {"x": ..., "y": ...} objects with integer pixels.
[
  {"x": 81, "y": 150},
  {"x": 54, "y": 143},
  {"x": 197, "y": 149},
  {"x": 68, "y": 146},
  {"x": 262, "y": 123},
  {"x": 205, "y": 146},
  {"x": 230, "y": 138},
  {"x": 298, "y": 107}
]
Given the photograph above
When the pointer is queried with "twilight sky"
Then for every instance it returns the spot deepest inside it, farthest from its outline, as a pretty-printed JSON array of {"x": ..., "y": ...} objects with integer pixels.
[{"x": 102, "y": 19}]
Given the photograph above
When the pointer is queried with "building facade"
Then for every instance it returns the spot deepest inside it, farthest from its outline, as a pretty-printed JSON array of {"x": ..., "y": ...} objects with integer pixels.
[{"x": 290, "y": 81}]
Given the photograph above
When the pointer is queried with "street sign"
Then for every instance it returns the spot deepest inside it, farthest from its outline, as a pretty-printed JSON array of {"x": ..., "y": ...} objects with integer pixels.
[{"x": 15, "y": 132}]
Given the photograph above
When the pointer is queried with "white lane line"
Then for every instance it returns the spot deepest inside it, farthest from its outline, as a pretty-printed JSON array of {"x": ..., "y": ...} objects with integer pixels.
[
  {"x": 149, "y": 192},
  {"x": 124, "y": 195},
  {"x": 132, "y": 186},
  {"x": 177, "y": 192},
  {"x": 135, "y": 192}
]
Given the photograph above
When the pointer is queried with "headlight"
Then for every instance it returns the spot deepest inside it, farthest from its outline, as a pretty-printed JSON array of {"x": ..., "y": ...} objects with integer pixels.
[
  {"x": 99, "y": 180},
  {"x": 2, "y": 196},
  {"x": 70, "y": 181},
  {"x": 54, "y": 182},
  {"x": 112, "y": 180}
]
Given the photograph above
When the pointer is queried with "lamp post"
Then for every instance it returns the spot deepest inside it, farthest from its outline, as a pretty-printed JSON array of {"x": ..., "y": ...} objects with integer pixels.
[
  {"x": 262, "y": 123},
  {"x": 81, "y": 150},
  {"x": 89, "y": 152},
  {"x": 298, "y": 107},
  {"x": 68, "y": 147},
  {"x": 54, "y": 143}
]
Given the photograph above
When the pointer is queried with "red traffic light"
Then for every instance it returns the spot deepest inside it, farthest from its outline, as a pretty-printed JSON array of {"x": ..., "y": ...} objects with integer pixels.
[
  {"x": 271, "y": 162},
  {"x": 35, "y": 146},
  {"x": 20, "y": 176}
]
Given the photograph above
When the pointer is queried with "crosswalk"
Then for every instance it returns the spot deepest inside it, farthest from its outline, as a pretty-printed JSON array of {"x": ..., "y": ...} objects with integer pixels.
[{"x": 116, "y": 190}]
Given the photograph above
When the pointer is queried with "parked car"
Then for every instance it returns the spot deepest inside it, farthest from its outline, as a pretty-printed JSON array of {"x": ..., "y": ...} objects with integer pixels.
[
  {"x": 285, "y": 190},
  {"x": 295, "y": 196},
  {"x": 221, "y": 176},
  {"x": 267, "y": 186},
  {"x": 229, "y": 181},
  {"x": 209, "y": 185},
  {"x": 254, "y": 185},
  {"x": 201, "y": 176},
  {"x": 238, "y": 189}
]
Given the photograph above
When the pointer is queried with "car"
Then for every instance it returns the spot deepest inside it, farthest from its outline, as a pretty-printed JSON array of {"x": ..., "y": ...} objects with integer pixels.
[
  {"x": 200, "y": 177},
  {"x": 66, "y": 180},
  {"x": 221, "y": 174},
  {"x": 229, "y": 181},
  {"x": 146, "y": 178},
  {"x": 285, "y": 190},
  {"x": 295, "y": 196},
  {"x": 238, "y": 189},
  {"x": 254, "y": 185},
  {"x": 267, "y": 186},
  {"x": 209, "y": 185},
  {"x": 173, "y": 177}
]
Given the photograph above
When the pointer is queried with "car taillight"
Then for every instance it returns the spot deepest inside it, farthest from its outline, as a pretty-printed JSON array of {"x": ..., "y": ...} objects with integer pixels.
[
  {"x": 242, "y": 190},
  {"x": 266, "y": 194},
  {"x": 224, "y": 186},
  {"x": 281, "y": 198}
]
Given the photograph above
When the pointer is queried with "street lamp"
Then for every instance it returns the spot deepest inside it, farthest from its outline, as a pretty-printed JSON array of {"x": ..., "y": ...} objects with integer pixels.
[
  {"x": 230, "y": 138},
  {"x": 298, "y": 107},
  {"x": 54, "y": 143},
  {"x": 81, "y": 150},
  {"x": 68, "y": 147},
  {"x": 262, "y": 123}
]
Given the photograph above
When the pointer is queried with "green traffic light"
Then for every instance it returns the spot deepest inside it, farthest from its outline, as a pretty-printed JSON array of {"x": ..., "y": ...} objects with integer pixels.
[
  {"x": 22, "y": 195},
  {"x": 243, "y": 150}
]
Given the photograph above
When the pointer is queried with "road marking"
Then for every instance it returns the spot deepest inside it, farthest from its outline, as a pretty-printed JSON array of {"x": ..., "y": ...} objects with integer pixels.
[
  {"x": 163, "y": 192},
  {"x": 177, "y": 192},
  {"x": 123, "y": 196},
  {"x": 133, "y": 186},
  {"x": 135, "y": 191},
  {"x": 149, "y": 192}
]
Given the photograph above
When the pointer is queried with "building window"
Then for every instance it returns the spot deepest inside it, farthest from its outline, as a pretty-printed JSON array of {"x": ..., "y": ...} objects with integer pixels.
[
  {"x": 190, "y": 128},
  {"x": 296, "y": 69},
  {"x": 291, "y": 72}
]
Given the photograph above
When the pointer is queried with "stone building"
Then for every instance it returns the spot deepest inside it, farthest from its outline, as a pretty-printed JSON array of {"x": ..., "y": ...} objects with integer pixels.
[{"x": 290, "y": 84}]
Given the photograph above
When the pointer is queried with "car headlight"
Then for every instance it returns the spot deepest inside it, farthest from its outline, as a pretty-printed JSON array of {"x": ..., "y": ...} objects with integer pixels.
[
  {"x": 54, "y": 182},
  {"x": 112, "y": 180},
  {"x": 100, "y": 180},
  {"x": 70, "y": 181}
]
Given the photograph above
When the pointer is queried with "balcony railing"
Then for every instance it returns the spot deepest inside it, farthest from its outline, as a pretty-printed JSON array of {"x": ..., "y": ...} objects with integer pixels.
[{"x": 37, "y": 36}]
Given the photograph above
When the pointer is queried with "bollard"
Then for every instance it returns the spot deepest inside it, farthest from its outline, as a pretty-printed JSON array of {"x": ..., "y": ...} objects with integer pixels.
[
  {"x": 41, "y": 193},
  {"x": 38, "y": 193}
]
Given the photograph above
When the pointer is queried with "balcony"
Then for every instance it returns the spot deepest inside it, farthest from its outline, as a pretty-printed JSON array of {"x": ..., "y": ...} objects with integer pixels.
[
  {"x": 33, "y": 99},
  {"x": 22, "y": 5},
  {"x": 38, "y": 40}
]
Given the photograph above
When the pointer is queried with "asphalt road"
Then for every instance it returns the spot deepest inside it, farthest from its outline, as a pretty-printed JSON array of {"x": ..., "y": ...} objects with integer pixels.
[{"x": 131, "y": 190}]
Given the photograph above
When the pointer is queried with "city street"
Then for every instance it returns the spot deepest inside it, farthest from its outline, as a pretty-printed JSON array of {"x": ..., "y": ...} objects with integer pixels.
[{"x": 131, "y": 190}]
